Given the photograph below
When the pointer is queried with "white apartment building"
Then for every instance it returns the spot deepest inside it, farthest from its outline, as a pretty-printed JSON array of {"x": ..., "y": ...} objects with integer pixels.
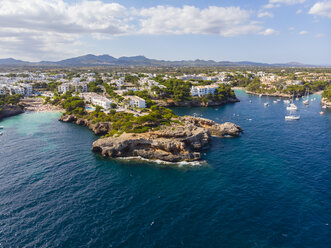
[
  {"x": 77, "y": 87},
  {"x": 136, "y": 101},
  {"x": 63, "y": 88},
  {"x": 2, "y": 90},
  {"x": 203, "y": 90},
  {"x": 101, "y": 101},
  {"x": 17, "y": 90},
  {"x": 28, "y": 90}
]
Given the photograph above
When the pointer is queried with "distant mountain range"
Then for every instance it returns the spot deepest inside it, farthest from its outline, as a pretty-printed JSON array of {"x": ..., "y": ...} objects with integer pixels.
[{"x": 91, "y": 60}]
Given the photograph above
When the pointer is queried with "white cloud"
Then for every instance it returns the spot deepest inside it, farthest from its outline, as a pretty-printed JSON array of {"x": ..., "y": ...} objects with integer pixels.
[
  {"x": 265, "y": 14},
  {"x": 303, "y": 32},
  {"x": 319, "y": 35},
  {"x": 230, "y": 21},
  {"x": 287, "y": 2},
  {"x": 278, "y": 3},
  {"x": 298, "y": 11},
  {"x": 43, "y": 27},
  {"x": 321, "y": 9},
  {"x": 269, "y": 31}
]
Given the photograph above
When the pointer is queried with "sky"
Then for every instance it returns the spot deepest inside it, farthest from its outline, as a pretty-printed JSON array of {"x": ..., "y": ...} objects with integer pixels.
[{"x": 270, "y": 31}]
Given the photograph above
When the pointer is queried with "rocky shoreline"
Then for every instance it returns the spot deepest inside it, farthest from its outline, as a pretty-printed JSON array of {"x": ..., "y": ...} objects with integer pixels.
[
  {"x": 270, "y": 94},
  {"x": 194, "y": 103},
  {"x": 181, "y": 141},
  {"x": 9, "y": 110},
  {"x": 325, "y": 102}
]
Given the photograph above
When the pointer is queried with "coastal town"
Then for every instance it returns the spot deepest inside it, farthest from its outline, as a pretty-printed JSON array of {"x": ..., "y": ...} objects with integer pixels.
[{"x": 133, "y": 92}]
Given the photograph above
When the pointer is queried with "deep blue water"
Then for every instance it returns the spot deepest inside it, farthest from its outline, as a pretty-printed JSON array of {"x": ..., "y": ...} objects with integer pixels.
[{"x": 268, "y": 188}]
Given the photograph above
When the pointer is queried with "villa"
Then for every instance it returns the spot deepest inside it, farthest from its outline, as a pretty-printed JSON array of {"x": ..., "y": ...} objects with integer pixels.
[
  {"x": 203, "y": 90},
  {"x": 136, "y": 101}
]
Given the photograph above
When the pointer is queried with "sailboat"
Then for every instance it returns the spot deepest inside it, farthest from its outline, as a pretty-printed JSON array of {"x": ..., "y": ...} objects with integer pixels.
[
  {"x": 306, "y": 102},
  {"x": 292, "y": 106}
]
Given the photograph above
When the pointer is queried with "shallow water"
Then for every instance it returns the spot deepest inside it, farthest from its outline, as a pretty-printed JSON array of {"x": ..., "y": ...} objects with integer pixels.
[{"x": 268, "y": 188}]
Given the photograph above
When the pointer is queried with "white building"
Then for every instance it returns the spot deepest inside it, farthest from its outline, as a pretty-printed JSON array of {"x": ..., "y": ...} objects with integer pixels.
[
  {"x": 17, "y": 90},
  {"x": 76, "y": 86},
  {"x": 102, "y": 102},
  {"x": 2, "y": 90},
  {"x": 63, "y": 88},
  {"x": 28, "y": 90},
  {"x": 203, "y": 90},
  {"x": 136, "y": 101}
]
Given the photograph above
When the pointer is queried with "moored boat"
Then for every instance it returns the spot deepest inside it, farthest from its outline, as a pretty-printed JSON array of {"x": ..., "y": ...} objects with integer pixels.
[
  {"x": 292, "y": 117},
  {"x": 292, "y": 106}
]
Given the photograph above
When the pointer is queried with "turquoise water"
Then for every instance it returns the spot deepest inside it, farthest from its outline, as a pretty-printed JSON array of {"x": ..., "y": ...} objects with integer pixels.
[{"x": 269, "y": 188}]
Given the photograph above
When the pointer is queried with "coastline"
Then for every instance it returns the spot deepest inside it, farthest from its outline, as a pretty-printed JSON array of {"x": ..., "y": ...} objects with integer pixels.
[
  {"x": 37, "y": 105},
  {"x": 194, "y": 103},
  {"x": 182, "y": 141}
]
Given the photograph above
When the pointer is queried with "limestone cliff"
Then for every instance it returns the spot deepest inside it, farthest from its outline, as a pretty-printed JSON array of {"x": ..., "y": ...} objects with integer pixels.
[{"x": 181, "y": 141}]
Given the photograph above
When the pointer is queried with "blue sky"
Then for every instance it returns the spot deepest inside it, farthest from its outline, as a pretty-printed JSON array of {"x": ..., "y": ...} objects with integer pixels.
[{"x": 273, "y": 31}]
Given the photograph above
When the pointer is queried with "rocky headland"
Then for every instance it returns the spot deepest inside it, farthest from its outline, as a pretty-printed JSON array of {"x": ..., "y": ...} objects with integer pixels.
[
  {"x": 182, "y": 141},
  {"x": 10, "y": 110}
]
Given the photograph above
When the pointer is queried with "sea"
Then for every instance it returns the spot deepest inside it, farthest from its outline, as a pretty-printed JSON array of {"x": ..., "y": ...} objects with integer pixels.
[{"x": 270, "y": 187}]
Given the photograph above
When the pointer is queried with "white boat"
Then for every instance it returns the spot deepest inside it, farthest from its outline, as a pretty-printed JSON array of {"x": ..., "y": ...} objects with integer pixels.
[
  {"x": 292, "y": 117},
  {"x": 297, "y": 98},
  {"x": 324, "y": 106},
  {"x": 275, "y": 101},
  {"x": 1, "y": 134},
  {"x": 260, "y": 95},
  {"x": 292, "y": 107},
  {"x": 286, "y": 101},
  {"x": 1, "y": 127},
  {"x": 306, "y": 102},
  {"x": 321, "y": 113},
  {"x": 266, "y": 104},
  {"x": 250, "y": 101},
  {"x": 278, "y": 100}
]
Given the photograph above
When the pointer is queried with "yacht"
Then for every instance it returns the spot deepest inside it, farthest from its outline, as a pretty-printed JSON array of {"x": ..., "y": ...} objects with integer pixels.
[
  {"x": 297, "y": 99},
  {"x": 292, "y": 117},
  {"x": 321, "y": 113},
  {"x": 1, "y": 127},
  {"x": 260, "y": 95},
  {"x": 286, "y": 101},
  {"x": 266, "y": 104},
  {"x": 275, "y": 101},
  {"x": 324, "y": 106},
  {"x": 306, "y": 102},
  {"x": 292, "y": 106}
]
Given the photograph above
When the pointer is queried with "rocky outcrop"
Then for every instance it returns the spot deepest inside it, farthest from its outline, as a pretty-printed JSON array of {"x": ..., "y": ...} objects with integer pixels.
[
  {"x": 194, "y": 103},
  {"x": 325, "y": 102},
  {"x": 97, "y": 128},
  {"x": 8, "y": 110},
  {"x": 180, "y": 142}
]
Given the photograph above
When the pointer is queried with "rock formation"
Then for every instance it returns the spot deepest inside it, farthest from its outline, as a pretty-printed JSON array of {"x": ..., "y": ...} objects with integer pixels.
[
  {"x": 181, "y": 141},
  {"x": 9, "y": 110}
]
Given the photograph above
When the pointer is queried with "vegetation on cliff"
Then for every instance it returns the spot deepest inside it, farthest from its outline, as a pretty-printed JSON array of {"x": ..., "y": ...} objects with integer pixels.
[
  {"x": 9, "y": 100},
  {"x": 180, "y": 91},
  {"x": 327, "y": 93},
  {"x": 256, "y": 86}
]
